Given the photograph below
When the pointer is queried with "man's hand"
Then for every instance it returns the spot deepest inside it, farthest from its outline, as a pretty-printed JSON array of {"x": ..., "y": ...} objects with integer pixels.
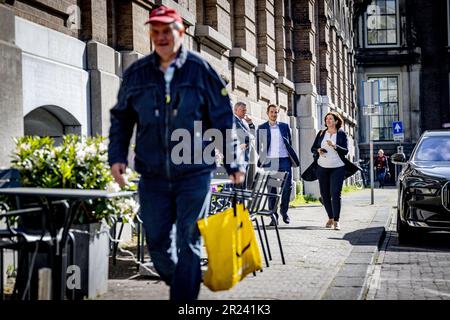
[
  {"x": 243, "y": 146},
  {"x": 117, "y": 169},
  {"x": 248, "y": 119},
  {"x": 237, "y": 177}
]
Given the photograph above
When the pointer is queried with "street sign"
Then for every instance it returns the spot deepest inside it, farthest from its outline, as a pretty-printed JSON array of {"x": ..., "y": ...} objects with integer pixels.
[
  {"x": 397, "y": 129},
  {"x": 397, "y": 126}
]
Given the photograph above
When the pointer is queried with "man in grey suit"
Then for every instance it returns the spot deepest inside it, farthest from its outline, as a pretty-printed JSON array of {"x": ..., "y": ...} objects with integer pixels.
[{"x": 246, "y": 134}]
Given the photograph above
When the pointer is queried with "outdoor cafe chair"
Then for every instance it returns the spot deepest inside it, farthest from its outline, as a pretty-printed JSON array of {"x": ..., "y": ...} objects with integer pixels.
[
  {"x": 29, "y": 230},
  {"x": 29, "y": 243},
  {"x": 275, "y": 181},
  {"x": 252, "y": 197}
]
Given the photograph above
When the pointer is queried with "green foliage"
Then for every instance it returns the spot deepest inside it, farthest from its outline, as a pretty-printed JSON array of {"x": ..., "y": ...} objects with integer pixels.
[
  {"x": 299, "y": 187},
  {"x": 78, "y": 163},
  {"x": 349, "y": 188},
  {"x": 303, "y": 199}
]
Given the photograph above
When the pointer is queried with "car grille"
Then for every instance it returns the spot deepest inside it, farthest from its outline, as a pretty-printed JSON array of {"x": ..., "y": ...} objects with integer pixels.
[{"x": 445, "y": 196}]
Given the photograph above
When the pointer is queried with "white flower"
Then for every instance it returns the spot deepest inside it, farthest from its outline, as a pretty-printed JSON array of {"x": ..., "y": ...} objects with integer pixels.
[
  {"x": 23, "y": 146},
  {"x": 91, "y": 151},
  {"x": 81, "y": 154},
  {"x": 27, "y": 164},
  {"x": 113, "y": 187},
  {"x": 102, "y": 147}
]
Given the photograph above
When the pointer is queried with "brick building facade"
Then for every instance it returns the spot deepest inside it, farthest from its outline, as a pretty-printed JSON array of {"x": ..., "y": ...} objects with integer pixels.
[{"x": 62, "y": 61}]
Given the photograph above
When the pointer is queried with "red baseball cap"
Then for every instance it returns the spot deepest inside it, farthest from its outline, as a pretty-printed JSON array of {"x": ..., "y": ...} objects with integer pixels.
[{"x": 165, "y": 15}]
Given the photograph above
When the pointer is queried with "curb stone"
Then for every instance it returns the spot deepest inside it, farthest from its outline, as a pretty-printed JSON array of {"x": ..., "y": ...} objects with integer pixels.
[{"x": 350, "y": 283}]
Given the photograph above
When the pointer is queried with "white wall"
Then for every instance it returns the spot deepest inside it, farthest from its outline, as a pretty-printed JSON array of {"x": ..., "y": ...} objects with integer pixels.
[{"x": 53, "y": 71}]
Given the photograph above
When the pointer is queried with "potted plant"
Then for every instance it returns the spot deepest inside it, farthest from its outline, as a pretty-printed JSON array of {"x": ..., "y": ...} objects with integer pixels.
[{"x": 80, "y": 163}]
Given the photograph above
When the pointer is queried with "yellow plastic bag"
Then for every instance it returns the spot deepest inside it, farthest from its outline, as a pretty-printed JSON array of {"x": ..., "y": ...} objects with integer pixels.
[{"x": 231, "y": 247}]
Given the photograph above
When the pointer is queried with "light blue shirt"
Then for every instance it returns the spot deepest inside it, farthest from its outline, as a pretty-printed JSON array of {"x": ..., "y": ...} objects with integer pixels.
[{"x": 277, "y": 148}]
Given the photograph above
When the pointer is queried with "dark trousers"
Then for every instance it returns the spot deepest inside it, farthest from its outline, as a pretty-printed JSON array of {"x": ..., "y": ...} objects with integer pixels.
[
  {"x": 330, "y": 183},
  {"x": 381, "y": 175},
  {"x": 175, "y": 255},
  {"x": 281, "y": 165}
]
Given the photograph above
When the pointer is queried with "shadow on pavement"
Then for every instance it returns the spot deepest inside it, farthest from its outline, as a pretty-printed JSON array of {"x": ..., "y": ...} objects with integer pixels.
[
  {"x": 363, "y": 237},
  {"x": 423, "y": 241},
  {"x": 123, "y": 269},
  {"x": 312, "y": 228}
]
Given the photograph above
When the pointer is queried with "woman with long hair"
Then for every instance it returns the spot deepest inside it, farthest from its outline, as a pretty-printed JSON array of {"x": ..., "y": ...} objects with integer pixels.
[{"x": 330, "y": 149}]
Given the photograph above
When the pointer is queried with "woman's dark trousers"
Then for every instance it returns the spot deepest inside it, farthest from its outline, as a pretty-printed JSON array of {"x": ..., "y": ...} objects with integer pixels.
[{"x": 330, "y": 182}]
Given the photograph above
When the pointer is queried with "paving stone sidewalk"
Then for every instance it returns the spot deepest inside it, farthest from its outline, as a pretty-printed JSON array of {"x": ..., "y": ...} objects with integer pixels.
[
  {"x": 320, "y": 263},
  {"x": 419, "y": 270}
]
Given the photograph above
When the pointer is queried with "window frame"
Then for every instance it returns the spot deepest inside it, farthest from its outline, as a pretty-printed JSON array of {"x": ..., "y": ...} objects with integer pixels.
[
  {"x": 397, "y": 24},
  {"x": 395, "y": 117}
]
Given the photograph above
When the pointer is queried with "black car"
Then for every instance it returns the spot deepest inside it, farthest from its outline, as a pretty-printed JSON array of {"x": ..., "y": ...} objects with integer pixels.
[{"x": 424, "y": 195}]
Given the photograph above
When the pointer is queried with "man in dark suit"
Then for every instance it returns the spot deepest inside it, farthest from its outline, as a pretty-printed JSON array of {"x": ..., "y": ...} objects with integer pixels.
[
  {"x": 246, "y": 134},
  {"x": 276, "y": 153}
]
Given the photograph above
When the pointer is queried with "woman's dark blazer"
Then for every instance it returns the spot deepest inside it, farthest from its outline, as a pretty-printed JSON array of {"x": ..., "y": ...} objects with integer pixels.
[{"x": 341, "y": 149}]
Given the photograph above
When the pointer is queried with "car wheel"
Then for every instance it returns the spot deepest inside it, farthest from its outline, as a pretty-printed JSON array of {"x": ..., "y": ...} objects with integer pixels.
[{"x": 403, "y": 230}]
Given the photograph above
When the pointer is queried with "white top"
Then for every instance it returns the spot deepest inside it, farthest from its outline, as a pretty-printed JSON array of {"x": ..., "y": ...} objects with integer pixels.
[
  {"x": 245, "y": 124},
  {"x": 331, "y": 158},
  {"x": 277, "y": 148}
]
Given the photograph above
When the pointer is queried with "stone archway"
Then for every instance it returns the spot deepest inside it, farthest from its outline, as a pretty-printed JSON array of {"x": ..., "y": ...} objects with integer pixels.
[{"x": 51, "y": 121}]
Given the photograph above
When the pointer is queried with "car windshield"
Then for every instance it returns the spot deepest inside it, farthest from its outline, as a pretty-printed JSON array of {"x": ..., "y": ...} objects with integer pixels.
[{"x": 435, "y": 148}]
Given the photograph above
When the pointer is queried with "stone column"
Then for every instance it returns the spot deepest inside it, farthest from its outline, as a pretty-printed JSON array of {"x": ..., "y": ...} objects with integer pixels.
[
  {"x": 324, "y": 50},
  {"x": 289, "y": 46},
  {"x": 266, "y": 69},
  {"x": 333, "y": 66},
  {"x": 306, "y": 104},
  {"x": 94, "y": 20},
  {"x": 244, "y": 26},
  {"x": 101, "y": 64},
  {"x": 218, "y": 16},
  {"x": 305, "y": 82},
  {"x": 266, "y": 33},
  {"x": 280, "y": 38},
  {"x": 133, "y": 40},
  {"x": 11, "y": 101},
  {"x": 104, "y": 85}
]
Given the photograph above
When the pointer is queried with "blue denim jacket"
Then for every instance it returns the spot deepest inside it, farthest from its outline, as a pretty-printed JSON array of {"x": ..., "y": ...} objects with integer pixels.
[{"x": 196, "y": 94}]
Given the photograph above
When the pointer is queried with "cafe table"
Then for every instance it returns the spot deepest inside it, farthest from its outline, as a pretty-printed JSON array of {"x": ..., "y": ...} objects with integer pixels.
[{"x": 75, "y": 198}]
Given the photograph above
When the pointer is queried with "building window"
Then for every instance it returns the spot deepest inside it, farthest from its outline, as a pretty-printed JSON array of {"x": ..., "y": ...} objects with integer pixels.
[
  {"x": 382, "y": 23},
  {"x": 389, "y": 106}
]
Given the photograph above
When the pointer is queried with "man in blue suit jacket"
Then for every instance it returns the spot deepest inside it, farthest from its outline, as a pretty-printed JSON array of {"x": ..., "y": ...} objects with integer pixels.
[{"x": 276, "y": 153}]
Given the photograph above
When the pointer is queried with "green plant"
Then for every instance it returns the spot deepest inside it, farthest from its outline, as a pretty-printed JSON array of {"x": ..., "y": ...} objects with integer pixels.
[
  {"x": 303, "y": 199},
  {"x": 350, "y": 188},
  {"x": 80, "y": 163},
  {"x": 299, "y": 187}
]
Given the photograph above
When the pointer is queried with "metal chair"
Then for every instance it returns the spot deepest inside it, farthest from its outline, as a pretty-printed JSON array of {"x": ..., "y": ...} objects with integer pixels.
[
  {"x": 275, "y": 180},
  {"x": 28, "y": 229},
  {"x": 253, "y": 198}
]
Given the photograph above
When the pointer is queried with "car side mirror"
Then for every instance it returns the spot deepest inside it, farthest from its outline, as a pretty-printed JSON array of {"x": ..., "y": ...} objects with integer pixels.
[{"x": 398, "y": 158}]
